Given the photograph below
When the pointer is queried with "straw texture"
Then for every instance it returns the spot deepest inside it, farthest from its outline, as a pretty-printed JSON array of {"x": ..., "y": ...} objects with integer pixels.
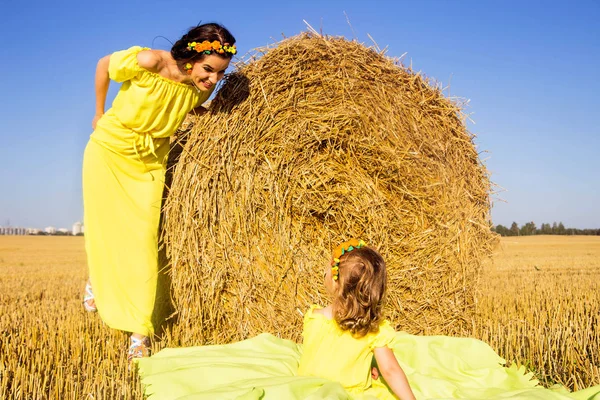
[{"x": 311, "y": 142}]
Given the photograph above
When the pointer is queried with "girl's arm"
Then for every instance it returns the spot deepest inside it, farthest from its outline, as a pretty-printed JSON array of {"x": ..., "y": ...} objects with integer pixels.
[
  {"x": 102, "y": 81},
  {"x": 393, "y": 373}
]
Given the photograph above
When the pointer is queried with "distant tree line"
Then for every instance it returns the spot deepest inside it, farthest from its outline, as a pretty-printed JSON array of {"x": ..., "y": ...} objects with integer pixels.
[
  {"x": 57, "y": 233},
  {"x": 546, "y": 229}
]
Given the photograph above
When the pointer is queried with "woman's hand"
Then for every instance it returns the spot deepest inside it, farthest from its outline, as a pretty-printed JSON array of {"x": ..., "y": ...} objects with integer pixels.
[
  {"x": 199, "y": 111},
  {"x": 95, "y": 120}
]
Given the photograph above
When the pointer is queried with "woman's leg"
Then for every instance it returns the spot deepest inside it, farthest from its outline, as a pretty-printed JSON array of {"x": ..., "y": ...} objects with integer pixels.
[
  {"x": 122, "y": 201},
  {"x": 89, "y": 301}
]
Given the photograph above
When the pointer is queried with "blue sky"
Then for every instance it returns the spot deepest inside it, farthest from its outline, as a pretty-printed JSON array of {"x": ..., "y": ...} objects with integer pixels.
[{"x": 529, "y": 69}]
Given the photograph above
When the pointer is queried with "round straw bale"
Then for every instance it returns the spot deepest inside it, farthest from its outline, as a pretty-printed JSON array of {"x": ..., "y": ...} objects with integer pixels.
[{"x": 314, "y": 141}]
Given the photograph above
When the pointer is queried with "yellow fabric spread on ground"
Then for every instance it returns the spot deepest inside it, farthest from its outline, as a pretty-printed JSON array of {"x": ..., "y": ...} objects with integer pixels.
[
  {"x": 266, "y": 367},
  {"x": 351, "y": 363},
  {"x": 123, "y": 180}
]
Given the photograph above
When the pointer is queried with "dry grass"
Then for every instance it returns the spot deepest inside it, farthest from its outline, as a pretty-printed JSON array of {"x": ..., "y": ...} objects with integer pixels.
[
  {"x": 318, "y": 141},
  {"x": 540, "y": 306},
  {"x": 50, "y": 348}
]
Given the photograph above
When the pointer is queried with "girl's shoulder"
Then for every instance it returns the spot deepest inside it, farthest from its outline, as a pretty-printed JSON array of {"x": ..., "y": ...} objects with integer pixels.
[
  {"x": 318, "y": 316},
  {"x": 384, "y": 336},
  {"x": 320, "y": 311}
]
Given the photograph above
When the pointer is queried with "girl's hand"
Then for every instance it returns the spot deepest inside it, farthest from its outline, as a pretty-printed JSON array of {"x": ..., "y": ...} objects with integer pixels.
[
  {"x": 374, "y": 373},
  {"x": 95, "y": 120}
]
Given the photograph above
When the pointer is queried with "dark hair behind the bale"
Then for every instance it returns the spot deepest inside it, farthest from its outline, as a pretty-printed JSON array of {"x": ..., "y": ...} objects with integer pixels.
[
  {"x": 200, "y": 33},
  {"x": 357, "y": 306}
]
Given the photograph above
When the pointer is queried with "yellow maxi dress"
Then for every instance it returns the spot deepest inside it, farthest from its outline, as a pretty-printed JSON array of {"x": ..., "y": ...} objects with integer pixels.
[{"x": 123, "y": 179}]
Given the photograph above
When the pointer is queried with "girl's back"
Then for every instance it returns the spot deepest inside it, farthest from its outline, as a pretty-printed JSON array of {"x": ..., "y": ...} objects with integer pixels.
[{"x": 332, "y": 353}]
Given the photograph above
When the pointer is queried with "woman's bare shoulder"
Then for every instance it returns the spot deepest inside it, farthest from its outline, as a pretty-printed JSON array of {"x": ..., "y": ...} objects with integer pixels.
[{"x": 152, "y": 60}]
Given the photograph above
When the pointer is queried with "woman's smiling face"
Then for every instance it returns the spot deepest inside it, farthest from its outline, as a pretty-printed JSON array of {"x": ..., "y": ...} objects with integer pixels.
[{"x": 208, "y": 71}]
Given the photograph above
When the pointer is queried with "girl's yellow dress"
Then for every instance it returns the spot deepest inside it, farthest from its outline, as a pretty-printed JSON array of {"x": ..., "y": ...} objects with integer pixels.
[
  {"x": 123, "y": 180},
  {"x": 332, "y": 353},
  {"x": 332, "y": 365}
]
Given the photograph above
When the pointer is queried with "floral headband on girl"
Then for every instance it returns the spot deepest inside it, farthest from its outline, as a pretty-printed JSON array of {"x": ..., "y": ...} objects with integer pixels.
[
  {"x": 339, "y": 251},
  {"x": 207, "y": 47}
]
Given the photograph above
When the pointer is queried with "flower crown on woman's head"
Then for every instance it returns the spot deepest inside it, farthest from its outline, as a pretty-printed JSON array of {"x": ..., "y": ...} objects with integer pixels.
[
  {"x": 207, "y": 47},
  {"x": 339, "y": 251}
]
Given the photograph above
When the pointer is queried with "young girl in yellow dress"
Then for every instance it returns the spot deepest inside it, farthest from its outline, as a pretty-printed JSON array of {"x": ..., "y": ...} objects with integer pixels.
[
  {"x": 124, "y": 169},
  {"x": 340, "y": 342}
]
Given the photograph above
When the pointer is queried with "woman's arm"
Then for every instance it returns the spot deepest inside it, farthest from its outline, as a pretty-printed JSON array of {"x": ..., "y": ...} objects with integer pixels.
[
  {"x": 393, "y": 373},
  {"x": 101, "y": 82}
]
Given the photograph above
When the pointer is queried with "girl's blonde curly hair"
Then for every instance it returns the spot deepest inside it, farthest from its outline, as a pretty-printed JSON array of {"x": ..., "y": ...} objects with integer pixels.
[{"x": 358, "y": 297}]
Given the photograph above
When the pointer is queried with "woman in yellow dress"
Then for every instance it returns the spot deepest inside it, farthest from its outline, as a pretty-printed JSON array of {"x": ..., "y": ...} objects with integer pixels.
[{"x": 124, "y": 169}]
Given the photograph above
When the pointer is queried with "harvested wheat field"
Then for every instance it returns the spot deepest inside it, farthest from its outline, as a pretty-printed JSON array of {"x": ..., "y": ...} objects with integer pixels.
[
  {"x": 539, "y": 306},
  {"x": 318, "y": 140},
  {"x": 50, "y": 348}
]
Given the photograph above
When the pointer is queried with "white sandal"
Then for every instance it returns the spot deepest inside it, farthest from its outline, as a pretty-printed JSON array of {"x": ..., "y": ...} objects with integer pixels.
[
  {"x": 88, "y": 298},
  {"x": 138, "y": 348}
]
